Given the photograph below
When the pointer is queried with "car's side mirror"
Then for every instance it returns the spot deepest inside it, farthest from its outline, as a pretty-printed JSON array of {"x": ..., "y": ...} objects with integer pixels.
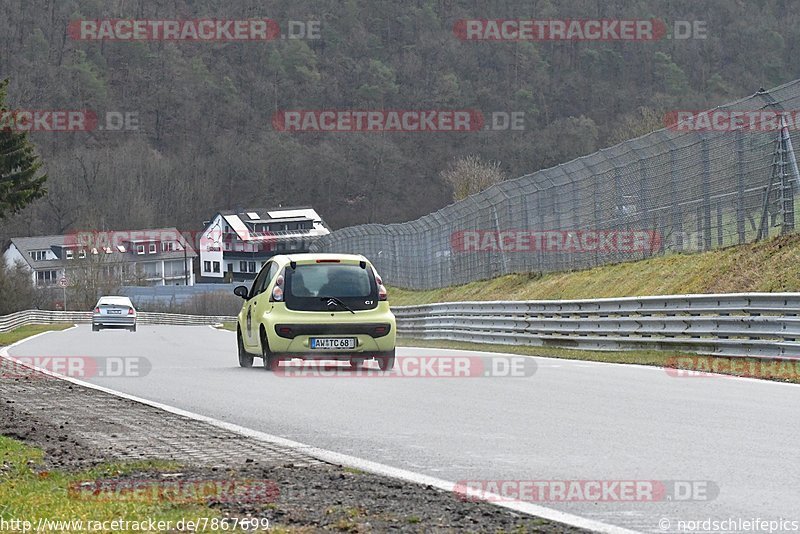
[{"x": 240, "y": 291}]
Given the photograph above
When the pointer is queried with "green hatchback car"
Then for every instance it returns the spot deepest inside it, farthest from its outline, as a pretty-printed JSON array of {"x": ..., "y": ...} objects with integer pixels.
[{"x": 316, "y": 306}]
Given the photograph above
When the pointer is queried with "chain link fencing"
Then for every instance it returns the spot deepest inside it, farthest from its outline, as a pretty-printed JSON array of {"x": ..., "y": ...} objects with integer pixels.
[{"x": 689, "y": 187}]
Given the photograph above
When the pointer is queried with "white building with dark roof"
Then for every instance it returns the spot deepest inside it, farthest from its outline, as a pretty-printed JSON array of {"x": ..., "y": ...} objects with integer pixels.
[
  {"x": 160, "y": 256},
  {"x": 235, "y": 244}
]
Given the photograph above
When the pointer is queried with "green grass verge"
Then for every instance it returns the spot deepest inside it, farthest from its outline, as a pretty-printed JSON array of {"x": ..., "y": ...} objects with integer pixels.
[
  {"x": 770, "y": 266},
  {"x": 29, "y": 492},
  {"x": 22, "y": 332},
  {"x": 777, "y": 370},
  {"x": 228, "y": 326}
]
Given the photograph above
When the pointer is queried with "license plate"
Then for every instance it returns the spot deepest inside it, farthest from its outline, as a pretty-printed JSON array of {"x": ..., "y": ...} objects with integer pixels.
[
  {"x": 333, "y": 343},
  {"x": 114, "y": 312}
]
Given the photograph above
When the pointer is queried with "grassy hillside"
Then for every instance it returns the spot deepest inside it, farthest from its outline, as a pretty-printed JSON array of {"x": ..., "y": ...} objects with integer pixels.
[{"x": 772, "y": 265}]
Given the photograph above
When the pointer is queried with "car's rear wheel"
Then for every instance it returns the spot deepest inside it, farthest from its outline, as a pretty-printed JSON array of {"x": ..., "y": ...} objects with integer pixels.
[
  {"x": 385, "y": 360},
  {"x": 133, "y": 328},
  {"x": 95, "y": 328},
  {"x": 356, "y": 363},
  {"x": 271, "y": 360},
  {"x": 245, "y": 358}
]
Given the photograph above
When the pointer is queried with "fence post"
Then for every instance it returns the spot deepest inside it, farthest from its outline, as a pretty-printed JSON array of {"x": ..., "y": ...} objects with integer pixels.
[
  {"x": 706, "y": 195},
  {"x": 787, "y": 179},
  {"x": 740, "y": 214}
]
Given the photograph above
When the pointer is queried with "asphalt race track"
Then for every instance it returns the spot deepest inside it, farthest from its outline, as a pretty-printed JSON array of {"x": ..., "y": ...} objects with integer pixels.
[{"x": 568, "y": 421}]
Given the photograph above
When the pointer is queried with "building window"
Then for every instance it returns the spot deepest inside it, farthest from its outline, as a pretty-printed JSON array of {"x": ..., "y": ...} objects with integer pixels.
[
  {"x": 140, "y": 249},
  {"x": 207, "y": 266},
  {"x": 150, "y": 269},
  {"x": 230, "y": 267},
  {"x": 46, "y": 277},
  {"x": 69, "y": 254},
  {"x": 167, "y": 246},
  {"x": 152, "y": 248},
  {"x": 82, "y": 254},
  {"x": 242, "y": 266},
  {"x": 216, "y": 266},
  {"x": 252, "y": 265},
  {"x": 38, "y": 255}
]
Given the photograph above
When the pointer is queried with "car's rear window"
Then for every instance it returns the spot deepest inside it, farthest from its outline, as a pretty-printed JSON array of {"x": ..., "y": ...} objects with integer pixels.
[
  {"x": 308, "y": 287},
  {"x": 114, "y": 301}
]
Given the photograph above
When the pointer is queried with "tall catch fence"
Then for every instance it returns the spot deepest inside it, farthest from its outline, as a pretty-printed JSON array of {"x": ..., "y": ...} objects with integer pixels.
[{"x": 691, "y": 187}]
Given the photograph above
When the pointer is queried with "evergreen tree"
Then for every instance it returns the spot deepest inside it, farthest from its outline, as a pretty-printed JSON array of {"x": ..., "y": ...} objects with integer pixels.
[{"x": 19, "y": 164}]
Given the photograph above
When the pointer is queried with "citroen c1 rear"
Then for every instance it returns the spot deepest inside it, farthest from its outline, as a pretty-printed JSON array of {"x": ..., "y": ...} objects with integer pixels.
[{"x": 316, "y": 306}]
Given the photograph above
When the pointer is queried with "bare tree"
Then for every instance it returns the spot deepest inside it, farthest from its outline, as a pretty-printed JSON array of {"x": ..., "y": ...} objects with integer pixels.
[
  {"x": 90, "y": 278},
  {"x": 470, "y": 174},
  {"x": 637, "y": 123},
  {"x": 16, "y": 289}
]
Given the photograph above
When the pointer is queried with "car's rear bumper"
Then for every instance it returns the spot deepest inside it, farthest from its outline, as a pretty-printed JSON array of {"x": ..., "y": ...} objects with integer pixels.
[
  {"x": 291, "y": 331},
  {"x": 336, "y": 356},
  {"x": 110, "y": 320},
  {"x": 300, "y": 345}
]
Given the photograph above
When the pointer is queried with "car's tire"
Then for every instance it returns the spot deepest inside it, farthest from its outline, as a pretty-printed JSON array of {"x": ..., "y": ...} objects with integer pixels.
[
  {"x": 271, "y": 360},
  {"x": 245, "y": 358},
  {"x": 133, "y": 328},
  {"x": 95, "y": 328},
  {"x": 356, "y": 363},
  {"x": 385, "y": 360}
]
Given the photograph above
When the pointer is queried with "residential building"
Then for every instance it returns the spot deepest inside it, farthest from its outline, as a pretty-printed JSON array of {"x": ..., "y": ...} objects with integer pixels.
[
  {"x": 235, "y": 244},
  {"x": 160, "y": 256}
]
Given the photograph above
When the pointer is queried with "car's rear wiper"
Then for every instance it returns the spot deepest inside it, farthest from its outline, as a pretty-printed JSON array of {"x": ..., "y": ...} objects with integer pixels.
[{"x": 339, "y": 302}]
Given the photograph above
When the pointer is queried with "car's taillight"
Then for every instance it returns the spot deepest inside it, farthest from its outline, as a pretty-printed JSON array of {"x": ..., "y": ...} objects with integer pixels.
[
  {"x": 277, "y": 291},
  {"x": 131, "y": 311},
  {"x": 97, "y": 310},
  {"x": 382, "y": 293}
]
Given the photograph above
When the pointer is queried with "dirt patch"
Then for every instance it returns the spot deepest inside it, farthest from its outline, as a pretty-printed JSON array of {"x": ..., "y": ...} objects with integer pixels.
[{"x": 78, "y": 428}]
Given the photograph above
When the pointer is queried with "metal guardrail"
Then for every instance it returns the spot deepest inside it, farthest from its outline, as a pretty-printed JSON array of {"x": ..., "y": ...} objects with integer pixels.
[
  {"x": 736, "y": 324},
  {"x": 15, "y": 320},
  {"x": 733, "y": 324}
]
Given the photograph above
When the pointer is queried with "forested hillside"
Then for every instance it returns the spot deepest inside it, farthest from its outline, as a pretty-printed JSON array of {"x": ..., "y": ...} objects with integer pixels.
[{"x": 205, "y": 140}]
